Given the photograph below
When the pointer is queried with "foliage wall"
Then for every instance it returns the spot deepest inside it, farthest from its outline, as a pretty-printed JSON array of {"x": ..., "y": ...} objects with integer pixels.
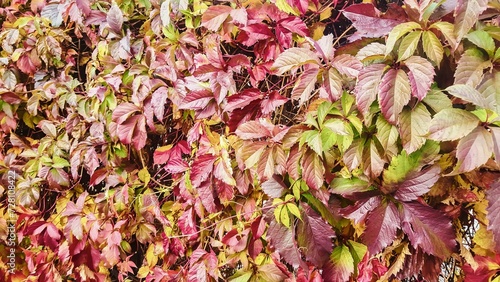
[{"x": 279, "y": 140}]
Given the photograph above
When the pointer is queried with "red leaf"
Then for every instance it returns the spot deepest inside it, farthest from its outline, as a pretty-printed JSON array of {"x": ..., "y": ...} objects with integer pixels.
[
  {"x": 428, "y": 229},
  {"x": 274, "y": 187},
  {"x": 421, "y": 76},
  {"x": 187, "y": 224},
  {"x": 295, "y": 25},
  {"x": 201, "y": 169},
  {"x": 381, "y": 226},
  {"x": 252, "y": 33},
  {"x": 242, "y": 99},
  {"x": 314, "y": 237},
  {"x": 196, "y": 100}
]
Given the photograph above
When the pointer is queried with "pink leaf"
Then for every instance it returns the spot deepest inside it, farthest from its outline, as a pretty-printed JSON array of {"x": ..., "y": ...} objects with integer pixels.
[
  {"x": 394, "y": 93},
  {"x": 252, "y": 130},
  {"x": 187, "y": 224},
  {"x": 313, "y": 170},
  {"x": 421, "y": 76},
  {"x": 474, "y": 150},
  {"x": 347, "y": 65},
  {"x": 271, "y": 102},
  {"x": 242, "y": 99},
  {"x": 115, "y": 18},
  {"x": 368, "y": 86},
  {"x": 214, "y": 16}
]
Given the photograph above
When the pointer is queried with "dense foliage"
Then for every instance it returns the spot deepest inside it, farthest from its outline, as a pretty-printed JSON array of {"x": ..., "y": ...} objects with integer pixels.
[{"x": 278, "y": 140}]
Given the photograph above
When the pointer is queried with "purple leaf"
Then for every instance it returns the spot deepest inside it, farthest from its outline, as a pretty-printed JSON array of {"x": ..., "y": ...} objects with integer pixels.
[
  {"x": 370, "y": 22},
  {"x": 314, "y": 237},
  {"x": 368, "y": 86},
  {"x": 381, "y": 226},
  {"x": 417, "y": 183},
  {"x": 394, "y": 93},
  {"x": 115, "y": 18},
  {"x": 428, "y": 229}
]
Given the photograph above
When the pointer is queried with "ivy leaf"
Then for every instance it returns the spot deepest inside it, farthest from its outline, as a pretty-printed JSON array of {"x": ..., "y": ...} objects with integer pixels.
[
  {"x": 428, "y": 229},
  {"x": 115, "y": 18},
  {"x": 452, "y": 124},
  {"x": 282, "y": 239},
  {"x": 381, "y": 226},
  {"x": 432, "y": 47},
  {"x": 397, "y": 32},
  {"x": 417, "y": 183},
  {"x": 483, "y": 40},
  {"x": 332, "y": 82},
  {"x": 409, "y": 45},
  {"x": 495, "y": 132},
  {"x": 490, "y": 89},
  {"x": 421, "y": 76},
  {"x": 413, "y": 126},
  {"x": 313, "y": 170},
  {"x": 314, "y": 236},
  {"x": 292, "y": 58},
  {"x": 469, "y": 94},
  {"x": 347, "y": 65},
  {"x": 492, "y": 195},
  {"x": 215, "y": 16},
  {"x": 470, "y": 67},
  {"x": 394, "y": 93},
  {"x": 252, "y": 130},
  {"x": 367, "y": 87},
  {"x": 305, "y": 85},
  {"x": 373, "y": 164},
  {"x": 242, "y": 99},
  {"x": 447, "y": 29},
  {"x": 369, "y": 21},
  {"x": 341, "y": 265},
  {"x": 474, "y": 150},
  {"x": 467, "y": 15},
  {"x": 201, "y": 168}
]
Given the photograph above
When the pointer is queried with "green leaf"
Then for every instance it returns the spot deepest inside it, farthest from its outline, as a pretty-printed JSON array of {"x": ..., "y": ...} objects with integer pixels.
[
  {"x": 343, "y": 263},
  {"x": 144, "y": 176},
  {"x": 432, "y": 47},
  {"x": 313, "y": 140},
  {"x": 483, "y": 40},
  {"x": 59, "y": 162},
  {"x": 452, "y": 124},
  {"x": 328, "y": 139},
  {"x": 348, "y": 186},
  {"x": 413, "y": 126},
  {"x": 337, "y": 126},
  {"x": 409, "y": 45},
  {"x": 397, "y": 32},
  {"x": 358, "y": 251},
  {"x": 400, "y": 166},
  {"x": 241, "y": 277},
  {"x": 323, "y": 111}
]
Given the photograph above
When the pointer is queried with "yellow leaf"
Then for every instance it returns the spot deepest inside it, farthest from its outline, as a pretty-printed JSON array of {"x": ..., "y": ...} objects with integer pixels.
[
  {"x": 151, "y": 258},
  {"x": 143, "y": 271},
  {"x": 327, "y": 13},
  {"x": 484, "y": 242},
  {"x": 285, "y": 217},
  {"x": 144, "y": 176},
  {"x": 294, "y": 210},
  {"x": 277, "y": 212},
  {"x": 285, "y": 7}
]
